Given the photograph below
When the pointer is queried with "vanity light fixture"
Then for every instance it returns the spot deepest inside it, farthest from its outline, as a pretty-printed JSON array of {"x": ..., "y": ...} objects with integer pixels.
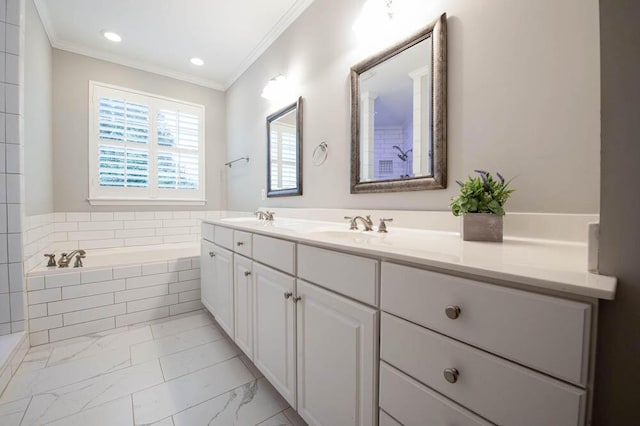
[
  {"x": 197, "y": 61},
  {"x": 111, "y": 36},
  {"x": 276, "y": 88}
]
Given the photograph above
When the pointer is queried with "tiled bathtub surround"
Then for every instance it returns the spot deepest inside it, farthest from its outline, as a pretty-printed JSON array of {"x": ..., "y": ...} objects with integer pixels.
[
  {"x": 13, "y": 348},
  {"x": 81, "y": 302},
  {"x": 37, "y": 235}
]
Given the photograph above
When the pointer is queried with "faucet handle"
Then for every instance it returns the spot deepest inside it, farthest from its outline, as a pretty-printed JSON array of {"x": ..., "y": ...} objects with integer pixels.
[
  {"x": 383, "y": 226},
  {"x": 52, "y": 259},
  {"x": 353, "y": 225}
]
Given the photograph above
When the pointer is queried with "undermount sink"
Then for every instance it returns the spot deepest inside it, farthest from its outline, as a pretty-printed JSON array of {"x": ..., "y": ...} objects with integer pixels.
[
  {"x": 248, "y": 220},
  {"x": 356, "y": 236}
]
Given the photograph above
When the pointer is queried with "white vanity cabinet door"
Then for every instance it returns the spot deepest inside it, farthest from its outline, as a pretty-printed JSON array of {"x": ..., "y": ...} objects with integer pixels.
[
  {"x": 337, "y": 350},
  {"x": 274, "y": 348},
  {"x": 243, "y": 299},
  {"x": 223, "y": 289},
  {"x": 223, "y": 237},
  {"x": 207, "y": 275}
]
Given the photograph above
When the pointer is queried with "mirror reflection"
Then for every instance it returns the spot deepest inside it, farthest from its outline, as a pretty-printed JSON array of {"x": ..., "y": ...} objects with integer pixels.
[
  {"x": 398, "y": 115},
  {"x": 284, "y": 142},
  {"x": 395, "y": 141}
]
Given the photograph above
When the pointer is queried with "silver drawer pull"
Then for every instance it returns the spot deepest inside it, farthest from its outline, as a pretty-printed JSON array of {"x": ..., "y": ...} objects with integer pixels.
[
  {"x": 212, "y": 254},
  {"x": 451, "y": 375},
  {"x": 288, "y": 294},
  {"x": 240, "y": 243},
  {"x": 452, "y": 312},
  {"x": 297, "y": 299},
  {"x": 247, "y": 273}
]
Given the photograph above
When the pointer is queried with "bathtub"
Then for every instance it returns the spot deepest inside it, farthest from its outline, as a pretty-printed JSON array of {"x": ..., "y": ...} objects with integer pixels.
[{"x": 117, "y": 287}]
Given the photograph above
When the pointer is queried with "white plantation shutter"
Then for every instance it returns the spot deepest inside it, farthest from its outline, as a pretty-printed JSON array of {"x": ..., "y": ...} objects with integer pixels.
[
  {"x": 144, "y": 147},
  {"x": 284, "y": 172}
]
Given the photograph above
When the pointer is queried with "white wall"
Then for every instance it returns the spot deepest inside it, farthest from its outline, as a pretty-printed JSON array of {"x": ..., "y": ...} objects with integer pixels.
[
  {"x": 71, "y": 75},
  {"x": 524, "y": 90},
  {"x": 38, "y": 145}
]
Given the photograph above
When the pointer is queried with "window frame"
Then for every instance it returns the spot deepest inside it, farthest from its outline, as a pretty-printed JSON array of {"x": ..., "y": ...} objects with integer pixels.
[{"x": 152, "y": 195}]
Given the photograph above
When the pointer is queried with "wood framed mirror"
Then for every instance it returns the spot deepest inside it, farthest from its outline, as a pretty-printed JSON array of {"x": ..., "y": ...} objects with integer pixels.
[
  {"x": 284, "y": 151},
  {"x": 399, "y": 115}
]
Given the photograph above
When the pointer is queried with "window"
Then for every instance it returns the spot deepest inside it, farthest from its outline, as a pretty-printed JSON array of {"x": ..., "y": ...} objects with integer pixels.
[{"x": 144, "y": 148}]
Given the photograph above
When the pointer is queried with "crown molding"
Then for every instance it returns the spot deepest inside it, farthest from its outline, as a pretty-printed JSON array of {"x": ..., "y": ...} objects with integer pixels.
[{"x": 287, "y": 19}]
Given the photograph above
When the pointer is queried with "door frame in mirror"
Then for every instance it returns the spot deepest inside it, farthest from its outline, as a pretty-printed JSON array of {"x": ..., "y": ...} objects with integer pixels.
[
  {"x": 297, "y": 106},
  {"x": 437, "y": 30}
]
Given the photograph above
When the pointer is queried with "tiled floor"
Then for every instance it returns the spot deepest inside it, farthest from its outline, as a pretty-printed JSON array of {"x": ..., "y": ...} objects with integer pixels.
[{"x": 178, "y": 371}]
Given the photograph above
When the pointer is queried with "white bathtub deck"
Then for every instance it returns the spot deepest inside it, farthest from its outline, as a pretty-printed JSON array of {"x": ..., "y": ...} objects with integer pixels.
[{"x": 179, "y": 371}]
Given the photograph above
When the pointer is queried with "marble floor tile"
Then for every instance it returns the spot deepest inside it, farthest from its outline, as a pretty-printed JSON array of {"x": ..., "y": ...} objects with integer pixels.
[
  {"x": 278, "y": 420},
  {"x": 35, "y": 360},
  {"x": 179, "y": 394},
  {"x": 197, "y": 358},
  {"x": 11, "y": 413},
  {"x": 164, "y": 422},
  {"x": 175, "y": 326},
  {"x": 114, "y": 413},
  {"x": 294, "y": 417},
  {"x": 100, "y": 344},
  {"x": 62, "y": 402},
  {"x": 146, "y": 351},
  {"x": 251, "y": 366},
  {"x": 246, "y": 405},
  {"x": 46, "y": 379}
]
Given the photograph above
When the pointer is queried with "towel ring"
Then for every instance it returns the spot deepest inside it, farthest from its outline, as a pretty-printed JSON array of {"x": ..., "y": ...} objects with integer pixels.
[{"x": 320, "y": 154}]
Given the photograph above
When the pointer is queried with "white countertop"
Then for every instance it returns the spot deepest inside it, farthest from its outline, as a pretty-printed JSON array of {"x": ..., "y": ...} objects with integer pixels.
[{"x": 542, "y": 264}]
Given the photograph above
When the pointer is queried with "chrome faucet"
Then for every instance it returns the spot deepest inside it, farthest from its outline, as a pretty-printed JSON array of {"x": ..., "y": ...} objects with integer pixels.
[
  {"x": 368, "y": 223},
  {"x": 65, "y": 259},
  {"x": 267, "y": 215}
]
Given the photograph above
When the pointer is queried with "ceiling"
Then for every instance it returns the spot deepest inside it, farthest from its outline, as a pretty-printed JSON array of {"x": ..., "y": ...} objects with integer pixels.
[{"x": 161, "y": 36}]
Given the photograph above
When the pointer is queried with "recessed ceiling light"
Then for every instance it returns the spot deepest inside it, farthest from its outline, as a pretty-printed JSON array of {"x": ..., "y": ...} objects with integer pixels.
[
  {"x": 197, "y": 61},
  {"x": 111, "y": 36}
]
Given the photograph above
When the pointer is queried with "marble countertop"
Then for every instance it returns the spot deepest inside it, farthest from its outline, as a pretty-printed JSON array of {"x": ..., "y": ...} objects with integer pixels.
[{"x": 536, "y": 263}]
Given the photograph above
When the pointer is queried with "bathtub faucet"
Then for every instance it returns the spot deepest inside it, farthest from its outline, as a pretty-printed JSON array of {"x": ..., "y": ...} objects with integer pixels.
[{"x": 65, "y": 259}]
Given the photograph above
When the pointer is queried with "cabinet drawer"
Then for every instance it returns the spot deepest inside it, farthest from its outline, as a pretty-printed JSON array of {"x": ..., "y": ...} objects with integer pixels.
[
  {"x": 353, "y": 276},
  {"x": 207, "y": 231},
  {"x": 502, "y": 392},
  {"x": 279, "y": 254},
  {"x": 412, "y": 403},
  {"x": 547, "y": 333},
  {"x": 242, "y": 243},
  {"x": 223, "y": 237}
]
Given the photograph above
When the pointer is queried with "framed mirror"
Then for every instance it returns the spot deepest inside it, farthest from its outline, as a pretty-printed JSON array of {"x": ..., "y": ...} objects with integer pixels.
[
  {"x": 399, "y": 115},
  {"x": 284, "y": 151}
]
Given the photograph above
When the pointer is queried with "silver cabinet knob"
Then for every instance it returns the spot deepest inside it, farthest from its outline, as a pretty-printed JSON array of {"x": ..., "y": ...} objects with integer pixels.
[
  {"x": 288, "y": 294},
  {"x": 452, "y": 312},
  {"x": 297, "y": 299},
  {"x": 212, "y": 254},
  {"x": 240, "y": 243},
  {"x": 451, "y": 375},
  {"x": 247, "y": 273}
]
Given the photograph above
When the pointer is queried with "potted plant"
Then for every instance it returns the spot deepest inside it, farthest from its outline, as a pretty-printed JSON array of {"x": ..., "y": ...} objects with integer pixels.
[{"x": 481, "y": 204}]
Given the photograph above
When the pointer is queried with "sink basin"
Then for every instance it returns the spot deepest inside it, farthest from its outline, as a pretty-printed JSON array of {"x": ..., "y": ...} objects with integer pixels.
[
  {"x": 242, "y": 220},
  {"x": 355, "y": 236}
]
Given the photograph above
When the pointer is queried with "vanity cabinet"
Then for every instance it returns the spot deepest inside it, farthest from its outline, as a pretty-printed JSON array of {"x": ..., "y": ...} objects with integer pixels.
[
  {"x": 243, "y": 292},
  {"x": 207, "y": 273},
  {"x": 274, "y": 351},
  {"x": 216, "y": 282},
  {"x": 337, "y": 358}
]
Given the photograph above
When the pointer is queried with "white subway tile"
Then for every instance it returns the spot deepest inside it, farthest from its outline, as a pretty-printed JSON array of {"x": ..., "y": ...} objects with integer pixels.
[
  {"x": 81, "y": 303},
  {"x": 92, "y": 289},
  {"x": 152, "y": 302},
  {"x": 78, "y": 217},
  {"x": 14, "y": 243},
  {"x": 95, "y": 276},
  {"x": 4, "y": 278},
  {"x": 142, "y": 316},
  {"x": 59, "y": 217},
  {"x": 60, "y": 280},
  {"x": 179, "y": 223},
  {"x": 195, "y": 262},
  {"x": 142, "y": 224},
  {"x": 59, "y": 236},
  {"x": 64, "y": 246},
  {"x": 93, "y": 314},
  {"x": 12, "y": 158},
  {"x": 154, "y": 268},
  {"x": 16, "y": 277},
  {"x": 191, "y": 274},
  {"x": 100, "y": 226},
  {"x": 163, "y": 215},
  {"x": 17, "y": 326},
  {"x": 37, "y": 311},
  {"x": 127, "y": 271},
  {"x": 179, "y": 265},
  {"x": 135, "y": 233},
  {"x": 144, "y": 241},
  {"x": 81, "y": 329},
  {"x": 200, "y": 215},
  {"x": 65, "y": 226},
  {"x": 188, "y": 296},
  {"x": 45, "y": 323},
  {"x": 184, "y": 286},
  {"x": 145, "y": 215},
  {"x": 173, "y": 231},
  {"x": 90, "y": 235},
  {"x": 43, "y": 296},
  {"x": 12, "y": 126},
  {"x": 4, "y": 255},
  {"x": 13, "y": 12},
  {"x": 141, "y": 293},
  {"x": 14, "y": 217},
  {"x": 151, "y": 280},
  {"x": 17, "y": 306},
  {"x": 5, "y": 329},
  {"x": 169, "y": 239},
  {"x": 181, "y": 215},
  {"x": 181, "y": 308},
  {"x": 101, "y": 216},
  {"x": 5, "y": 310},
  {"x": 39, "y": 338},
  {"x": 124, "y": 216},
  {"x": 98, "y": 244},
  {"x": 3, "y": 211},
  {"x": 12, "y": 96}
]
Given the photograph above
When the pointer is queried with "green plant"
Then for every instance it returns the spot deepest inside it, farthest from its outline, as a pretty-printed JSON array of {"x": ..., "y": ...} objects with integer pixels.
[{"x": 482, "y": 194}]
